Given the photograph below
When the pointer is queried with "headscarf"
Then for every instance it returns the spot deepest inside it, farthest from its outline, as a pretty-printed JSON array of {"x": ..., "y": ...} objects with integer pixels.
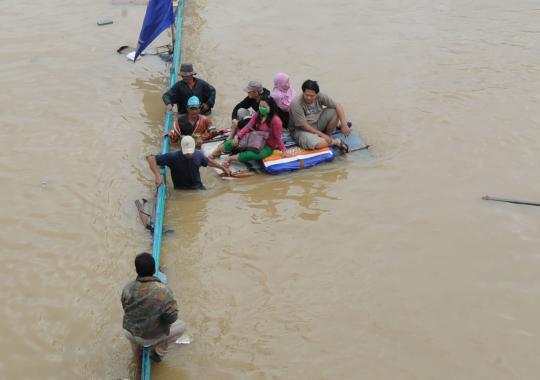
[{"x": 281, "y": 94}]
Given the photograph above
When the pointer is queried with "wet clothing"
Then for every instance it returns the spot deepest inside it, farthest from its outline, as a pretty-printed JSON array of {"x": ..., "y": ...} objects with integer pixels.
[
  {"x": 247, "y": 155},
  {"x": 181, "y": 92},
  {"x": 183, "y": 127},
  {"x": 248, "y": 103},
  {"x": 275, "y": 141},
  {"x": 159, "y": 344},
  {"x": 303, "y": 113},
  {"x": 149, "y": 308},
  {"x": 308, "y": 140},
  {"x": 184, "y": 171}
]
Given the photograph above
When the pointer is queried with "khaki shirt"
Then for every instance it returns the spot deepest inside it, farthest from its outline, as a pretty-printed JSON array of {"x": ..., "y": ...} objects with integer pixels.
[{"x": 302, "y": 113}]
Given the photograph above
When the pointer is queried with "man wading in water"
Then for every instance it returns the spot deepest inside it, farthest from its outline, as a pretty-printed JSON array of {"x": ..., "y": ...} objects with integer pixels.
[
  {"x": 150, "y": 311},
  {"x": 184, "y": 165}
]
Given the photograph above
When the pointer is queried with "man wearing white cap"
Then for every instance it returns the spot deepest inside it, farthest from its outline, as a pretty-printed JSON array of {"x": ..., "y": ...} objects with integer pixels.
[{"x": 184, "y": 165}]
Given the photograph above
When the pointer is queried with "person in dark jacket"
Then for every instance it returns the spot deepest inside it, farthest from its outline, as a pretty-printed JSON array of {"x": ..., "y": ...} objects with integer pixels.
[
  {"x": 184, "y": 165},
  {"x": 150, "y": 311},
  {"x": 186, "y": 88},
  {"x": 248, "y": 106}
]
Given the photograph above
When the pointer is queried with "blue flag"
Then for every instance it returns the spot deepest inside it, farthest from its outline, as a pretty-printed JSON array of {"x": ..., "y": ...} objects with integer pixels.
[{"x": 159, "y": 16}]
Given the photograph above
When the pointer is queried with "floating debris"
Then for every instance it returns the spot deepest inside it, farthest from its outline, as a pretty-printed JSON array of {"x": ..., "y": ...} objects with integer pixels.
[
  {"x": 184, "y": 340},
  {"x": 104, "y": 22}
]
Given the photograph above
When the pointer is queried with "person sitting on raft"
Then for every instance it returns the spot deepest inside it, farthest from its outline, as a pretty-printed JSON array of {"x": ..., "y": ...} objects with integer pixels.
[
  {"x": 265, "y": 119},
  {"x": 186, "y": 88},
  {"x": 193, "y": 124},
  {"x": 283, "y": 94},
  {"x": 313, "y": 118},
  {"x": 248, "y": 106},
  {"x": 184, "y": 165}
]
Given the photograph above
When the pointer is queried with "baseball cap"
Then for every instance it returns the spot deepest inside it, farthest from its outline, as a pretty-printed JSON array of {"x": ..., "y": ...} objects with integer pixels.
[
  {"x": 193, "y": 102},
  {"x": 188, "y": 145},
  {"x": 254, "y": 86}
]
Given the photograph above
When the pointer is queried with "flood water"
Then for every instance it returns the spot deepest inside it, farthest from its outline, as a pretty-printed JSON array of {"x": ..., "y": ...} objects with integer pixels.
[{"x": 389, "y": 267}]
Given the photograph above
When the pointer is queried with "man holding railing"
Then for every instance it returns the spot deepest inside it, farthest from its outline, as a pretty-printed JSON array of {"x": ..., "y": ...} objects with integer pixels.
[{"x": 150, "y": 311}]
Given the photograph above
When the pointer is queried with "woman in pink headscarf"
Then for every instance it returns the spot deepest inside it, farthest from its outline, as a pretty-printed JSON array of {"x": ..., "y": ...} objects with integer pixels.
[{"x": 283, "y": 94}]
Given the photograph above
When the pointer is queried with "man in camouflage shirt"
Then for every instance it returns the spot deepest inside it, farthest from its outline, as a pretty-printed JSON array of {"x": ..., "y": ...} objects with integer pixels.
[{"x": 150, "y": 311}]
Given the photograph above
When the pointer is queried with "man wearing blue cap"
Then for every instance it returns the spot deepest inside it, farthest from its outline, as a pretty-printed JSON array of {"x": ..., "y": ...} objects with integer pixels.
[
  {"x": 190, "y": 86},
  {"x": 192, "y": 124}
]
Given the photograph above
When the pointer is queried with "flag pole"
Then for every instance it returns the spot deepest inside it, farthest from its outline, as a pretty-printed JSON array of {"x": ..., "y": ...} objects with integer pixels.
[{"x": 173, "y": 27}]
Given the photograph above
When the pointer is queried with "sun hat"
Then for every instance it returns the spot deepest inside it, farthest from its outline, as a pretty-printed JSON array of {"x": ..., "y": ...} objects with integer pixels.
[
  {"x": 188, "y": 145},
  {"x": 254, "y": 86},
  {"x": 186, "y": 69},
  {"x": 193, "y": 102}
]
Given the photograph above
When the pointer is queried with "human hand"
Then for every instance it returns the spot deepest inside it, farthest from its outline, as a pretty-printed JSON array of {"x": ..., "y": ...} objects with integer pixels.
[
  {"x": 204, "y": 107},
  {"x": 235, "y": 141},
  {"x": 169, "y": 108},
  {"x": 327, "y": 138},
  {"x": 226, "y": 170},
  {"x": 345, "y": 129},
  {"x": 159, "y": 180}
]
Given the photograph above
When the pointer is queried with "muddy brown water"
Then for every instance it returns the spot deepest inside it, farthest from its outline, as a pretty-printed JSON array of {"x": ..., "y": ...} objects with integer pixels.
[{"x": 389, "y": 267}]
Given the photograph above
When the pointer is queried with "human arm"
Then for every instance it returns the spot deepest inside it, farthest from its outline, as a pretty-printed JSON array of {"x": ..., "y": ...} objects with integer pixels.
[
  {"x": 152, "y": 163},
  {"x": 276, "y": 127},
  {"x": 249, "y": 126},
  {"x": 169, "y": 312},
  {"x": 298, "y": 118},
  {"x": 245, "y": 130},
  {"x": 308, "y": 128},
  {"x": 170, "y": 97},
  {"x": 173, "y": 135},
  {"x": 245, "y": 103},
  {"x": 328, "y": 102},
  {"x": 209, "y": 96},
  {"x": 342, "y": 119},
  {"x": 123, "y": 298},
  {"x": 213, "y": 163}
]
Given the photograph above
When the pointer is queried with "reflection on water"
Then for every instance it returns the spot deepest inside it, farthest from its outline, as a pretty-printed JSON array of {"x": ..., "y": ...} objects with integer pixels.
[
  {"x": 154, "y": 110},
  {"x": 278, "y": 198}
]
